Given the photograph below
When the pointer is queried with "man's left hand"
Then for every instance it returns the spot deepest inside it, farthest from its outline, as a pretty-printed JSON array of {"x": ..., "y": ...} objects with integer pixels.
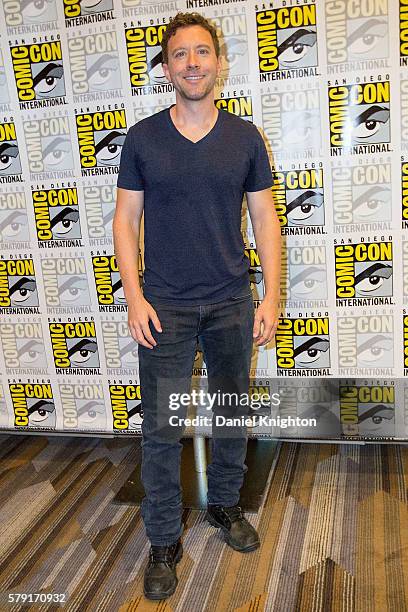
[{"x": 266, "y": 322}]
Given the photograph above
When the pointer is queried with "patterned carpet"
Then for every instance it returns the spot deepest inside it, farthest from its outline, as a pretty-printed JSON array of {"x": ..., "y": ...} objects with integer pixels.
[{"x": 334, "y": 530}]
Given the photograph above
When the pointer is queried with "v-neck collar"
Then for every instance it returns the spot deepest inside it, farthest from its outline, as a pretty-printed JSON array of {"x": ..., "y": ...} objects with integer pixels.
[{"x": 205, "y": 137}]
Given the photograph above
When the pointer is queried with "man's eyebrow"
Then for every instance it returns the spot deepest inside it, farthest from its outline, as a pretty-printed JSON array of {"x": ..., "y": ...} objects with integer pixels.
[{"x": 183, "y": 48}]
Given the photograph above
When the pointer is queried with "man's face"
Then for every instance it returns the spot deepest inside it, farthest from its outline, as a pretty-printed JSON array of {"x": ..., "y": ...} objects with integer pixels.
[{"x": 192, "y": 63}]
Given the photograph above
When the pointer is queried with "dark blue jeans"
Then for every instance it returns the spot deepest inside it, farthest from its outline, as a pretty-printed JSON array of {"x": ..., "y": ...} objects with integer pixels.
[{"x": 224, "y": 331}]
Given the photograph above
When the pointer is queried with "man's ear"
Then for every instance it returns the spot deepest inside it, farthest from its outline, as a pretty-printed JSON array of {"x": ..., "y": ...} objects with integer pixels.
[{"x": 166, "y": 72}]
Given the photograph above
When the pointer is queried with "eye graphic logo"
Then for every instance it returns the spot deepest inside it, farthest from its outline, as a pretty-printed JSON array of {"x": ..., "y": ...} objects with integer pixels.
[
  {"x": 359, "y": 114},
  {"x": 83, "y": 406},
  {"x": 287, "y": 39},
  {"x": 65, "y": 284},
  {"x": 144, "y": 55},
  {"x": 79, "y": 12},
  {"x": 126, "y": 408},
  {"x": 233, "y": 37},
  {"x": 361, "y": 194},
  {"x": 299, "y": 197},
  {"x": 240, "y": 106},
  {"x": 9, "y": 154},
  {"x": 100, "y": 209},
  {"x": 56, "y": 214},
  {"x": 94, "y": 63},
  {"x": 75, "y": 347},
  {"x": 303, "y": 345},
  {"x": 108, "y": 283},
  {"x": 48, "y": 147},
  {"x": 304, "y": 276},
  {"x": 100, "y": 139},
  {"x": 33, "y": 405},
  {"x": 23, "y": 347},
  {"x": 356, "y": 31},
  {"x": 14, "y": 228},
  {"x": 367, "y": 411},
  {"x": 39, "y": 73},
  {"x": 120, "y": 348},
  {"x": 29, "y": 12},
  {"x": 292, "y": 123},
  {"x": 366, "y": 344},
  {"x": 18, "y": 286},
  {"x": 363, "y": 270}
]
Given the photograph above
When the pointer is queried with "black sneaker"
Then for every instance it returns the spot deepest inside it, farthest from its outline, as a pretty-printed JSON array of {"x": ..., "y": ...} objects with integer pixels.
[
  {"x": 238, "y": 532},
  {"x": 160, "y": 578}
]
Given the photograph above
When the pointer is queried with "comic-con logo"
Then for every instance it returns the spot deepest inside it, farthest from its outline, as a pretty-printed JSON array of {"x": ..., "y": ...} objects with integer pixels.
[
  {"x": 94, "y": 63},
  {"x": 126, "y": 406},
  {"x": 33, "y": 405},
  {"x": 34, "y": 14},
  {"x": 240, "y": 106},
  {"x": 80, "y": 12},
  {"x": 108, "y": 284},
  {"x": 361, "y": 194},
  {"x": 99, "y": 201},
  {"x": 403, "y": 24},
  {"x": 144, "y": 55},
  {"x": 359, "y": 116},
  {"x": 287, "y": 41},
  {"x": 291, "y": 122},
  {"x": 10, "y": 164},
  {"x": 303, "y": 347},
  {"x": 83, "y": 406},
  {"x": 367, "y": 410},
  {"x": 39, "y": 74},
  {"x": 405, "y": 270},
  {"x": 121, "y": 351},
  {"x": 299, "y": 200},
  {"x": 23, "y": 347},
  {"x": 75, "y": 347},
  {"x": 363, "y": 273},
  {"x": 356, "y": 31},
  {"x": 255, "y": 272},
  {"x": 100, "y": 140},
  {"x": 65, "y": 284},
  {"x": 18, "y": 286},
  {"x": 49, "y": 148},
  {"x": 304, "y": 275},
  {"x": 56, "y": 213},
  {"x": 233, "y": 38},
  {"x": 365, "y": 344},
  {"x": 14, "y": 226}
]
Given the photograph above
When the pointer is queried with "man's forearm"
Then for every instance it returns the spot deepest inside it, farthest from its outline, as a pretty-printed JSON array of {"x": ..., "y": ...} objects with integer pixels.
[
  {"x": 268, "y": 243},
  {"x": 126, "y": 241}
]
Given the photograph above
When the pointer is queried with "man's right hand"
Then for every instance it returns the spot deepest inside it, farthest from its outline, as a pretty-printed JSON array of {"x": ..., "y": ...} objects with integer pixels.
[{"x": 139, "y": 314}]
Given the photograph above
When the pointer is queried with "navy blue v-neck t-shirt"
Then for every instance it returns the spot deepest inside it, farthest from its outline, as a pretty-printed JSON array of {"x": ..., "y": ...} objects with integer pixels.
[{"x": 194, "y": 250}]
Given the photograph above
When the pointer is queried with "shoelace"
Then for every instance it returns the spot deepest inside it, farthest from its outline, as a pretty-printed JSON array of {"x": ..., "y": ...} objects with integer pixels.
[
  {"x": 234, "y": 513},
  {"x": 162, "y": 554}
]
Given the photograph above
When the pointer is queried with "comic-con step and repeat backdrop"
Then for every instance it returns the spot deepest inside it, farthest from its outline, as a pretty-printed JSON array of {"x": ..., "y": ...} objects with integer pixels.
[{"x": 326, "y": 82}]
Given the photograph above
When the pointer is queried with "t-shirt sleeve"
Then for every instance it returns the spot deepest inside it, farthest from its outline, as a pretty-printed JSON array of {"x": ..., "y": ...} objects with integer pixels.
[
  {"x": 130, "y": 176},
  {"x": 259, "y": 175}
]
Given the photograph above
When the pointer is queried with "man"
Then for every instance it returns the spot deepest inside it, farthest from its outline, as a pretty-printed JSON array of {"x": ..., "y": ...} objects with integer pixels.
[{"x": 188, "y": 167}]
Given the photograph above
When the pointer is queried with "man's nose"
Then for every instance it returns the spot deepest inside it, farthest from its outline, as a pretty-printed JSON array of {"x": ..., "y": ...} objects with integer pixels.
[{"x": 192, "y": 59}]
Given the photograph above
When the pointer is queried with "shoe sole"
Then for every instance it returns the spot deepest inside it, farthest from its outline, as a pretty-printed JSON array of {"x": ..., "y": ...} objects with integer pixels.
[
  {"x": 165, "y": 594},
  {"x": 228, "y": 539}
]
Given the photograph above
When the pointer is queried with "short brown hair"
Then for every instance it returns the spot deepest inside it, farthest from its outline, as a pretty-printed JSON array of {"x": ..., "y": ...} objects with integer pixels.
[{"x": 183, "y": 20}]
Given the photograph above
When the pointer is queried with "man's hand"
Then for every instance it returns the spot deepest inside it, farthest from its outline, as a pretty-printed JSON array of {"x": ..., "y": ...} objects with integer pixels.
[
  {"x": 139, "y": 314},
  {"x": 266, "y": 321}
]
